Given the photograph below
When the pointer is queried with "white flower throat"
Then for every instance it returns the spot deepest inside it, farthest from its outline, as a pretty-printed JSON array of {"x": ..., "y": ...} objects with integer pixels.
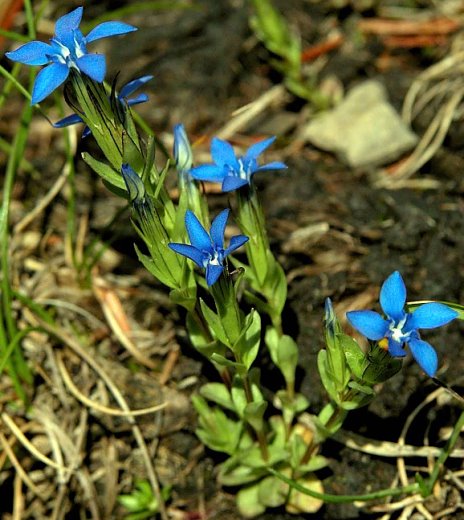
[{"x": 396, "y": 330}]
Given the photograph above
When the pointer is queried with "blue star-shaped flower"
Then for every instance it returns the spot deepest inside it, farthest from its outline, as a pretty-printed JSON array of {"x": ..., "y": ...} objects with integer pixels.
[
  {"x": 123, "y": 97},
  {"x": 207, "y": 249},
  {"x": 401, "y": 327},
  {"x": 67, "y": 50},
  {"x": 232, "y": 171}
]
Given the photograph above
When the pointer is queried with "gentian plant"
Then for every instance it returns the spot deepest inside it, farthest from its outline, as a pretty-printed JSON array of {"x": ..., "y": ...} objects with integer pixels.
[{"x": 271, "y": 441}]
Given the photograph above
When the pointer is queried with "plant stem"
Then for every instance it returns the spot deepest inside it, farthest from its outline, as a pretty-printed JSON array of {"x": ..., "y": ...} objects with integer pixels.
[
  {"x": 445, "y": 453},
  {"x": 345, "y": 499}
]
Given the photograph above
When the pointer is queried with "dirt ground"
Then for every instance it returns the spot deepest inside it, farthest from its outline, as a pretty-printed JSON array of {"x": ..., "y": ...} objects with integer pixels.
[{"x": 207, "y": 64}]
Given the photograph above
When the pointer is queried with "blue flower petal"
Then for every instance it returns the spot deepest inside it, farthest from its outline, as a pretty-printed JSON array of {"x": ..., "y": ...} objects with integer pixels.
[
  {"x": 208, "y": 172},
  {"x": 106, "y": 29},
  {"x": 68, "y": 23},
  {"x": 275, "y": 165},
  {"x": 393, "y": 296},
  {"x": 32, "y": 53},
  {"x": 213, "y": 272},
  {"x": 132, "y": 86},
  {"x": 218, "y": 228},
  {"x": 425, "y": 356},
  {"x": 223, "y": 153},
  {"x": 368, "y": 323},
  {"x": 73, "y": 119},
  {"x": 431, "y": 315},
  {"x": 93, "y": 65},
  {"x": 235, "y": 242},
  {"x": 231, "y": 183},
  {"x": 86, "y": 132},
  {"x": 396, "y": 348},
  {"x": 141, "y": 98},
  {"x": 189, "y": 251},
  {"x": 47, "y": 80},
  {"x": 199, "y": 238},
  {"x": 258, "y": 148}
]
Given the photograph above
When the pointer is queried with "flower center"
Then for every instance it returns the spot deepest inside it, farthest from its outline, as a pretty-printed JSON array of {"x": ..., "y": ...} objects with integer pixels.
[
  {"x": 213, "y": 258},
  {"x": 396, "y": 330},
  {"x": 243, "y": 172},
  {"x": 67, "y": 55}
]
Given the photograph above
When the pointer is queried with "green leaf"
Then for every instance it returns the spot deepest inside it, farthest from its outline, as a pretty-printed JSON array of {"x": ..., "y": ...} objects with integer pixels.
[
  {"x": 327, "y": 377},
  {"x": 455, "y": 306},
  {"x": 315, "y": 463},
  {"x": 105, "y": 171},
  {"x": 186, "y": 298},
  {"x": 224, "y": 362},
  {"x": 149, "y": 159},
  {"x": 272, "y": 492},
  {"x": 132, "y": 154},
  {"x": 291, "y": 405},
  {"x": 157, "y": 269},
  {"x": 248, "y": 502},
  {"x": 363, "y": 389},
  {"x": 199, "y": 342},
  {"x": 354, "y": 355},
  {"x": 284, "y": 353},
  {"x": 232, "y": 473},
  {"x": 248, "y": 344},
  {"x": 215, "y": 324},
  {"x": 216, "y": 430},
  {"x": 275, "y": 285},
  {"x": 380, "y": 366},
  {"x": 254, "y": 413},
  {"x": 218, "y": 393},
  {"x": 302, "y": 503}
]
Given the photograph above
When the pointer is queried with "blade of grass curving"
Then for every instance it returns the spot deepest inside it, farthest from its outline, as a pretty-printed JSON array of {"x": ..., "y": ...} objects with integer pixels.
[
  {"x": 11, "y": 35},
  {"x": 12, "y": 81},
  {"x": 15, "y": 343},
  {"x": 16, "y": 365}
]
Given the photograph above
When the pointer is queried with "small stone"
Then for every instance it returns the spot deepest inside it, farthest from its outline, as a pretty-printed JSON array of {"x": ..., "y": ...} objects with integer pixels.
[{"x": 364, "y": 130}]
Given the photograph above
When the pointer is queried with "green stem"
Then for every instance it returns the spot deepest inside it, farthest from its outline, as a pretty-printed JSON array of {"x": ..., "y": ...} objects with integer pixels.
[
  {"x": 260, "y": 434},
  {"x": 16, "y": 365},
  {"x": 430, "y": 483},
  {"x": 345, "y": 499}
]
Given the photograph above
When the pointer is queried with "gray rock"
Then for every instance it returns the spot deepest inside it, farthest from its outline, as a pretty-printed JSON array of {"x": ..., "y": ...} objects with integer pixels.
[{"x": 364, "y": 130}]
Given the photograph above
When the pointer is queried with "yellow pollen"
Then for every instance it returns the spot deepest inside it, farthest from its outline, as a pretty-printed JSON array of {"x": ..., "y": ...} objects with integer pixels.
[{"x": 383, "y": 343}]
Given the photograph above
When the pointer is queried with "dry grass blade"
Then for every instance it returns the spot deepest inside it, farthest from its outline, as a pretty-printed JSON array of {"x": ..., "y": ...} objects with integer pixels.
[
  {"x": 17, "y": 466},
  {"x": 97, "y": 406},
  {"x": 390, "y": 449},
  {"x": 429, "y": 144},
  {"x": 242, "y": 117},
  {"x": 29, "y": 446},
  {"x": 440, "y": 86},
  {"x": 117, "y": 319}
]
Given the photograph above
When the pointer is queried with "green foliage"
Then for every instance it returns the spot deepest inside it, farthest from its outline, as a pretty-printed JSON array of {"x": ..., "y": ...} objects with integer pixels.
[
  {"x": 274, "y": 31},
  {"x": 141, "y": 503}
]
